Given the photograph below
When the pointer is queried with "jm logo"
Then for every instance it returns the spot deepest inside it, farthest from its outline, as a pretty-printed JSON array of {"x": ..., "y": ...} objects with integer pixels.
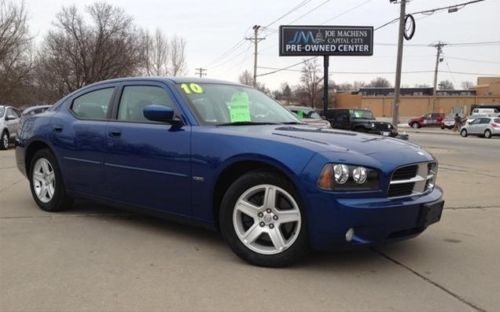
[{"x": 302, "y": 37}]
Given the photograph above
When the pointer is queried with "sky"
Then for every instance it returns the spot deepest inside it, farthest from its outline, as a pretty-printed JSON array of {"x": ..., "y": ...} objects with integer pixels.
[{"x": 215, "y": 33}]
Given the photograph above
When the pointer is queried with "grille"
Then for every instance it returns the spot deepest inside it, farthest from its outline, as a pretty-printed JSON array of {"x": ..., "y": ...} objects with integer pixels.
[
  {"x": 405, "y": 173},
  {"x": 412, "y": 179},
  {"x": 401, "y": 189}
]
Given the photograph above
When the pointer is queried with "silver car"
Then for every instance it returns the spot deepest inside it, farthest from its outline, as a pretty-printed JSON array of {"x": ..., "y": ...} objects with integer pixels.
[
  {"x": 9, "y": 120},
  {"x": 483, "y": 126}
]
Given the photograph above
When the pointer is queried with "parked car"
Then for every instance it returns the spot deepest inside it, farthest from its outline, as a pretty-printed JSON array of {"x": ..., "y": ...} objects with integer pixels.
[
  {"x": 427, "y": 120},
  {"x": 309, "y": 116},
  {"x": 33, "y": 110},
  {"x": 483, "y": 126},
  {"x": 359, "y": 120},
  {"x": 9, "y": 119},
  {"x": 449, "y": 121},
  {"x": 205, "y": 152}
]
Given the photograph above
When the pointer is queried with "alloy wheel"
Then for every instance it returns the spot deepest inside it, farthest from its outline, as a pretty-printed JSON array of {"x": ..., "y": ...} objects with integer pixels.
[
  {"x": 44, "y": 180},
  {"x": 267, "y": 219}
]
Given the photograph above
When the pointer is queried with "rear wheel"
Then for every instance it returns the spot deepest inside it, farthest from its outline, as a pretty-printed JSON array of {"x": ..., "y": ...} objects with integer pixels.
[
  {"x": 4, "y": 144},
  {"x": 46, "y": 183},
  {"x": 487, "y": 134},
  {"x": 463, "y": 133},
  {"x": 262, "y": 220}
]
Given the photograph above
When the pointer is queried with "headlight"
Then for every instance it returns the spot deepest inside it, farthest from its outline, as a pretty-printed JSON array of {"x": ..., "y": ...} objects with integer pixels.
[
  {"x": 340, "y": 177},
  {"x": 432, "y": 169}
]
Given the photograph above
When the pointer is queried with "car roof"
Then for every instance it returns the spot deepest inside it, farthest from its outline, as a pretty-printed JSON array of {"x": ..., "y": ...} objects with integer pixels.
[
  {"x": 176, "y": 80},
  {"x": 29, "y": 109}
]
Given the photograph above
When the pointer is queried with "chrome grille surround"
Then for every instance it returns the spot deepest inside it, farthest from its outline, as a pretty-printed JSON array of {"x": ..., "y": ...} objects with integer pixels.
[{"x": 421, "y": 181}]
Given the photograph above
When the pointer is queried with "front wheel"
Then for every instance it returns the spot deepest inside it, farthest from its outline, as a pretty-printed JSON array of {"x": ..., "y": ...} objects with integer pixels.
[
  {"x": 262, "y": 220},
  {"x": 463, "y": 133},
  {"x": 46, "y": 183},
  {"x": 487, "y": 134},
  {"x": 415, "y": 125},
  {"x": 4, "y": 144}
]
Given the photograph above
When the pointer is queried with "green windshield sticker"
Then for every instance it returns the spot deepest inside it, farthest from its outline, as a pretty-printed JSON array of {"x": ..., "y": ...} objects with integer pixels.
[
  {"x": 300, "y": 115},
  {"x": 238, "y": 107}
]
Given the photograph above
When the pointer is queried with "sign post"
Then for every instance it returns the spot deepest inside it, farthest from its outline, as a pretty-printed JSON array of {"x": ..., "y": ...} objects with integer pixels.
[{"x": 326, "y": 41}]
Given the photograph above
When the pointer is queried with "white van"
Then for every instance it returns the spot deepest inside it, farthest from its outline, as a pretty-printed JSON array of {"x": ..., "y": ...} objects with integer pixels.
[{"x": 484, "y": 111}]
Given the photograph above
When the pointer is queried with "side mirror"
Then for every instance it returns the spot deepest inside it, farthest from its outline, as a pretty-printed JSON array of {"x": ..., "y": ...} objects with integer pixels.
[
  {"x": 10, "y": 117},
  {"x": 159, "y": 113}
]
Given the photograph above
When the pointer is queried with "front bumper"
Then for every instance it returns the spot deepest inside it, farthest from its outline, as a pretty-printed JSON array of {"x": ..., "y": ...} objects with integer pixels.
[{"x": 374, "y": 220}]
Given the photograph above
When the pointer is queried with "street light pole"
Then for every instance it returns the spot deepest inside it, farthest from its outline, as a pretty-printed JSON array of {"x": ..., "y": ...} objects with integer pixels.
[{"x": 399, "y": 62}]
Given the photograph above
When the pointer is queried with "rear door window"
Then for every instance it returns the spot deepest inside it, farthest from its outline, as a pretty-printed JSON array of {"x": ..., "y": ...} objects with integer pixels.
[{"x": 93, "y": 105}]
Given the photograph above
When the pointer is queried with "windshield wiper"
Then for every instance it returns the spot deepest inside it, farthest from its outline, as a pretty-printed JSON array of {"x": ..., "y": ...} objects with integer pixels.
[
  {"x": 246, "y": 123},
  {"x": 292, "y": 123}
]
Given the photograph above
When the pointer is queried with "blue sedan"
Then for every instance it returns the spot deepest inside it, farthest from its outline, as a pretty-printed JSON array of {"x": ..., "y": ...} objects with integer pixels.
[{"x": 228, "y": 157}]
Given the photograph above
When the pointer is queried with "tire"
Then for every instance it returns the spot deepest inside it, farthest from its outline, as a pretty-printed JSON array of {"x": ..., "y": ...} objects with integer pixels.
[
  {"x": 4, "y": 140},
  {"x": 487, "y": 134},
  {"x": 415, "y": 125},
  {"x": 463, "y": 133},
  {"x": 46, "y": 184},
  {"x": 246, "y": 211}
]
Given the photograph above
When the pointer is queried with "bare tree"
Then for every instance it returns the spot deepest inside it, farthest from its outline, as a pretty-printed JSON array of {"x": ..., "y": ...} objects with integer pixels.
[
  {"x": 466, "y": 85},
  {"x": 311, "y": 80},
  {"x": 379, "y": 82},
  {"x": 15, "y": 56},
  {"x": 157, "y": 54},
  {"x": 446, "y": 85},
  {"x": 246, "y": 78},
  {"x": 177, "y": 56},
  {"x": 77, "y": 53}
]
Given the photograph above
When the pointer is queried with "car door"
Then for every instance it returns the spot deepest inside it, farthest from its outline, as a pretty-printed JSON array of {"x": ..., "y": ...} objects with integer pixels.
[
  {"x": 12, "y": 121},
  {"x": 78, "y": 135},
  {"x": 148, "y": 163},
  {"x": 474, "y": 126}
]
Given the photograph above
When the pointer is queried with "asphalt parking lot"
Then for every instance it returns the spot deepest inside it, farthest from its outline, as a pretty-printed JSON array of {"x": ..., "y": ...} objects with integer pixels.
[{"x": 95, "y": 258}]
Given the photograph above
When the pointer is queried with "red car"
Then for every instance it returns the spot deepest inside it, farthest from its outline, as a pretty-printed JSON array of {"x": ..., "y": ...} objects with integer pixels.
[{"x": 428, "y": 120}]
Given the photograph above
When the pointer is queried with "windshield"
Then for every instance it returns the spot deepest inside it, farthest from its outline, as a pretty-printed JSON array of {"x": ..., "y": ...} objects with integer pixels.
[
  {"x": 2, "y": 111},
  {"x": 361, "y": 114},
  {"x": 231, "y": 104}
]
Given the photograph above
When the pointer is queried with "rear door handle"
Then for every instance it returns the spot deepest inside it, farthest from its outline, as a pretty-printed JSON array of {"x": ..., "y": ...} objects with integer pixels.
[
  {"x": 57, "y": 128},
  {"x": 115, "y": 132}
]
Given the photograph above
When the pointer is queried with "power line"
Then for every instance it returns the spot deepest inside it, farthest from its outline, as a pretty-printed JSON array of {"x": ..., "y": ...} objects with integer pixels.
[
  {"x": 287, "y": 67},
  {"x": 450, "y": 8},
  {"x": 385, "y": 72},
  {"x": 298, "y": 6},
  {"x": 346, "y": 11},
  {"x": 472, "y": 60},
  {"x": 310, "y": 11}
]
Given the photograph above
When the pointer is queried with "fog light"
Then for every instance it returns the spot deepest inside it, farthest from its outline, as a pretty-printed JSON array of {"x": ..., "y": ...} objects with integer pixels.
[
  {"x": 359, "y": 175},
  {"x": 349, "y": 234},
  {"x": 341, "y": 173}
]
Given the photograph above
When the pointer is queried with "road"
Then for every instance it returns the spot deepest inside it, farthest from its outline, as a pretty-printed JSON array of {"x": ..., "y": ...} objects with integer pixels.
[{"x": 95, "y": 258}]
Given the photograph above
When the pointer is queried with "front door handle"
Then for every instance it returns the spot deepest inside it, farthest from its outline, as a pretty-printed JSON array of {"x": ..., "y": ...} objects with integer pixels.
[{"x": 57, "y": 128}]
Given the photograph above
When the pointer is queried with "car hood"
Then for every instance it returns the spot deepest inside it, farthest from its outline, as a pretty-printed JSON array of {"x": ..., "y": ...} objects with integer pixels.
[{"x": 363, "y": 146}]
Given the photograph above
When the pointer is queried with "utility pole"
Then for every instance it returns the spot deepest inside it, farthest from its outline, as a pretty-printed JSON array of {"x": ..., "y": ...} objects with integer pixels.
[
  {"x": 439, "y": 46},
  {"x": 399, "y": 63},
  {"x": 201, "y": 71},
  {"x": 256, "y": 41}
]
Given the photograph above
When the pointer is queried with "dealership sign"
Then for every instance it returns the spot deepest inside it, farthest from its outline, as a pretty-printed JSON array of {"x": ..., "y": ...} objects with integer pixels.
[{"x": 326, "y": 40}]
